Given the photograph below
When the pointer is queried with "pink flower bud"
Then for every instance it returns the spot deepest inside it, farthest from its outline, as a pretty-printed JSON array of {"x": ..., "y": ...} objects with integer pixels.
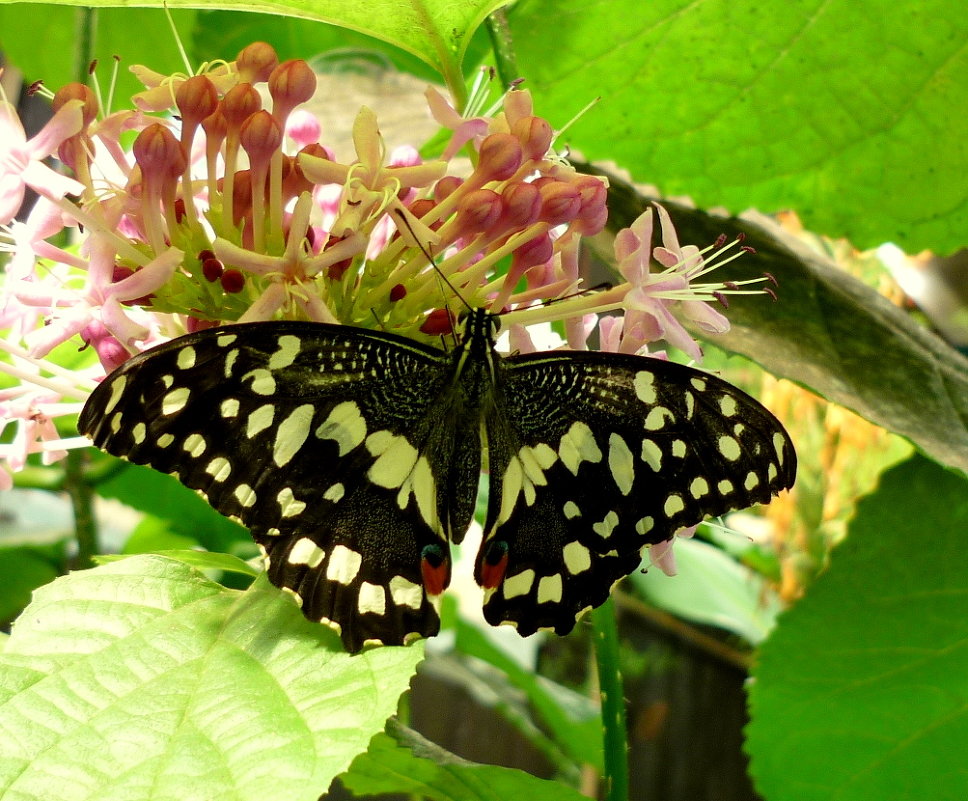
[
  {"x": 196, "y": 98},
  {"x": 158, "y": 153},
  {"x": 77, "y": 91},
  {"x": 533, "y": 252},
  {"x": 522, "y": 206},
  {"x": 291, "y": 83},
  {"x": 446, "y": 186},
  {"x": 500, "y": 157},
  {"x": 535, "y": 135},
  {"x": 560, "y": 201},
  {"x": 260, "y": 136},
  {"x": 239, "y": 103},
  {"x": 256, "y": 62},
  {"x": 477, "y": 212}
]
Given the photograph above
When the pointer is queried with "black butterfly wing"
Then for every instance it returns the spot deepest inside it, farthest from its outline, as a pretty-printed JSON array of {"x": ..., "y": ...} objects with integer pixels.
[
  {"x": 324, "y": 440},
  {"x": 593, "y": 457}
]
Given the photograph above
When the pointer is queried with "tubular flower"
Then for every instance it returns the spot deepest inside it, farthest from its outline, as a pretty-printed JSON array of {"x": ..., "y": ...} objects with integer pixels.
[{"x": 214, "y": 217}]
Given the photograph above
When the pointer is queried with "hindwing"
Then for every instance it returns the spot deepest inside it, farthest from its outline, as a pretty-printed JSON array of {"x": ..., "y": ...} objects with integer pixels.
[{"x": 594, "y": 457}]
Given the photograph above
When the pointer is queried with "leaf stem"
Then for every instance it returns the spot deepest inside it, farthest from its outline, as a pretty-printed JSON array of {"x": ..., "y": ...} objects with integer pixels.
[
  {"x": 614, "y": 732},
  {"x": 503, "y": 46},
  {"x": 82, "y": 500}
]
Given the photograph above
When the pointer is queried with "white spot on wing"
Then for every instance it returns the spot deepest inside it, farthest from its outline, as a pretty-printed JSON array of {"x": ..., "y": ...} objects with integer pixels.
[
  {"x": 605, "y": 528},
  {"x": 306, "y": 552},
  {"x": 286, "y": 354},
  {"x": 345, "y": 425},
  {"x": 186, "y": 358},
  {"x": 219, "y": 468},
  {"x": 288, "y": 505},
  {"x": 729, "y": 448},
  {"x": 549, "y": 589},
  {"x": 343, "y": 565},
  {"x": 260, "y": 420},
  {"x": 194, "y": 445},
  {"x": 673, "y": 505},
  {"x": 577, "y": 557},
  {"x": 292, "y": 434},
  {"x": 578, "y": 445},
  {"x": 117, "y": 389},
  {"x": 519, "y": 584},
  {"x": 175, "y": 400},
  {"x": 620, "y": 463},
  {"x": 372, "y": 599},
  {"x": 405, "y": 593},
  {"x": 245, "y": 495},
  {"x": 229, "y": 407},
  {"x": 644, "y": 383}
]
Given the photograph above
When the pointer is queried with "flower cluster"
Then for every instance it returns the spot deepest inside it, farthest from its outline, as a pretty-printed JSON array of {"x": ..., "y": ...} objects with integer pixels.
[{"x": 228, "y": 208}]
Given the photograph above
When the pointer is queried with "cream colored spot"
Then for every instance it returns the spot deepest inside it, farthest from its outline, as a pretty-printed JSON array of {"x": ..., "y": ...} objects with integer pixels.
[
  {"x": 519, "y": 584},
  {"x": 345, "y": 425},
  {"x": 372, "y": 599},
  {"x": 549, "y": 589},
  {"x": 605, "y": 528},
  {"x": 167, "y": 381},
  {"x": 644, "y": 526},
  {"x": 229, "y": 407},
  {"x": 571, "y": 510},
  {"x": 306, "y": 552},
  {"x": 230, "y": 362},
  {"x": 690, "y": 400},
  {"x": 652, "y": 455},
  {"x": 395, "y": 461},
  {"x": 224, "y": 340},
  {"x": 245, "y": 495},
  {"x": 577, "y": 557},
  {"x": 186, "y": 358},
  {"x": 139, "y": 433},
  {"x": 115, "y": 423},
  {"x": 725, "y": 487},
  {"x": 771, "y": 472},
  {"x": 335, "y": 493},
  {"x": 752, "y": 481},
  {"x": 260, "y": 420},
  {"x": 727, "y": 405},
  {"x": 620, "y": 463},
  {"x": 165, "y": 440},
  {"x": 738, "y": 429},
  {"x": 578, "y": 445},
  {"x": 263, "y": 382},
  {"x": 287, "y": 353},
  {"x": 194, "y": 445},
  {"x": 175, "y": 400},
  {"x": 343, "y": 565},
  {"x": 405, "y": 593},
  {"x": 779, "y": 445},
  {"x": 699, "y": 487},
  {"x": 673, "y": 505},
  {"x": 657, "y": 418},
  {"x": 644, "y": 384},
  {"x": 678, "y": 448},
  {"x": 698, "y": 383},
  {"x": 729, "y": 448},
  {"x": 292, "y": 434},
  {"x": 117, "y": 389},
  {"x": 290, "y": 591},
  {"x": 219, "y": 469},
  {"x": 288, "y": 505}
]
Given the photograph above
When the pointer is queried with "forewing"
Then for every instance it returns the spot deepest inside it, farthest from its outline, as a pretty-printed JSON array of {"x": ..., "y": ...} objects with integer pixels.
[
  {"x": 322, "y": 440},
  {"x": 593, "y": 457}
]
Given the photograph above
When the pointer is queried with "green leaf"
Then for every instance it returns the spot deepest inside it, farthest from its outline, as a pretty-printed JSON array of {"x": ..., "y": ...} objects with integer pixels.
[
  {"x": 200, "y": 560},
  {"x": 22, "y": 570},
  {"x": 431, "y": 772},
  {"x": 26, "y": 24},
  {"x": 164, "y": 497},
  {"x": 831, "y": 333},
  {"x": 843, "y": 110},
  {"x": 143, "y": 679},
  {"x": 435, "y": 31},
  {"x": 860, "y": 691},
  {"x": 712, "y": 588}
]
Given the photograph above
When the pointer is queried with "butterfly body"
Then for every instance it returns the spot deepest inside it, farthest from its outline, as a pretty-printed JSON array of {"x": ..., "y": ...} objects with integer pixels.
[{"x": 354, "y": 457}]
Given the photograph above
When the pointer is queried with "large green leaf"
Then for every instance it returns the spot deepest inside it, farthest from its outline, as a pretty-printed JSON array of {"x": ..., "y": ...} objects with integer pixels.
[
  {"x": 831, "y": 333},
  {"x": 844, "y": 110},
  {"x": 141, "y": 679},
  {"x": 435, "y": 31},
  {"x": 860, "y": 691},
  {"x": 426, "y": 770}
]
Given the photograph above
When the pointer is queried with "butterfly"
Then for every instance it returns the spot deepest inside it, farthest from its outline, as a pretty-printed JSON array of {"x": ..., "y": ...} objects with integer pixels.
[{"x": 353, "y": 456}]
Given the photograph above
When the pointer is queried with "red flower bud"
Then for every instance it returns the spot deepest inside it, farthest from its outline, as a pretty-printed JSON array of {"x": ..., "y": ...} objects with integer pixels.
[
  {"x": 196, "y": 98},
  {"x": 232, "y": 281},
  {"x": 438, "y": 323},
  {"x": 77, "y": 91},
  {"x": 256, "y": 62},
  {"x": 500, "y": 157},
  {"x": 239, "y": 103},
  {"x": 560, "y": 202},
  {"x": 291, "y": 83},
  {"x": 477, "y": 212},
  {"x": 535, "y": 135}
]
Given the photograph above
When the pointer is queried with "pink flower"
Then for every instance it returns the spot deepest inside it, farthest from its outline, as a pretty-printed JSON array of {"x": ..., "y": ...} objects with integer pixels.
[{"x": 21, "y": 160}]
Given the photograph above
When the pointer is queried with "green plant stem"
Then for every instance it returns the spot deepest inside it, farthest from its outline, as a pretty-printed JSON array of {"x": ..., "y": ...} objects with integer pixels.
[
  {"x": 614, "y": 732},
  {"x": 503, "y": 46},
  {"x": 82, "y": 501},
  {"x": 85, "y": 22}
]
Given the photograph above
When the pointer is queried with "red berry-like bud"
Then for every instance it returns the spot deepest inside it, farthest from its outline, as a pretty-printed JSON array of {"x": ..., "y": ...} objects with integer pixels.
[
  {"x": 256, "y": 62},
  {"x": 212, "y": 269},
  {"x": 398, "y": 292},
  {"x": 260, "y": 135},
  {"x": 438, "y": 323},
  {"x": 531, "y": 253},
  {"x": 232, "y": 281}
]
